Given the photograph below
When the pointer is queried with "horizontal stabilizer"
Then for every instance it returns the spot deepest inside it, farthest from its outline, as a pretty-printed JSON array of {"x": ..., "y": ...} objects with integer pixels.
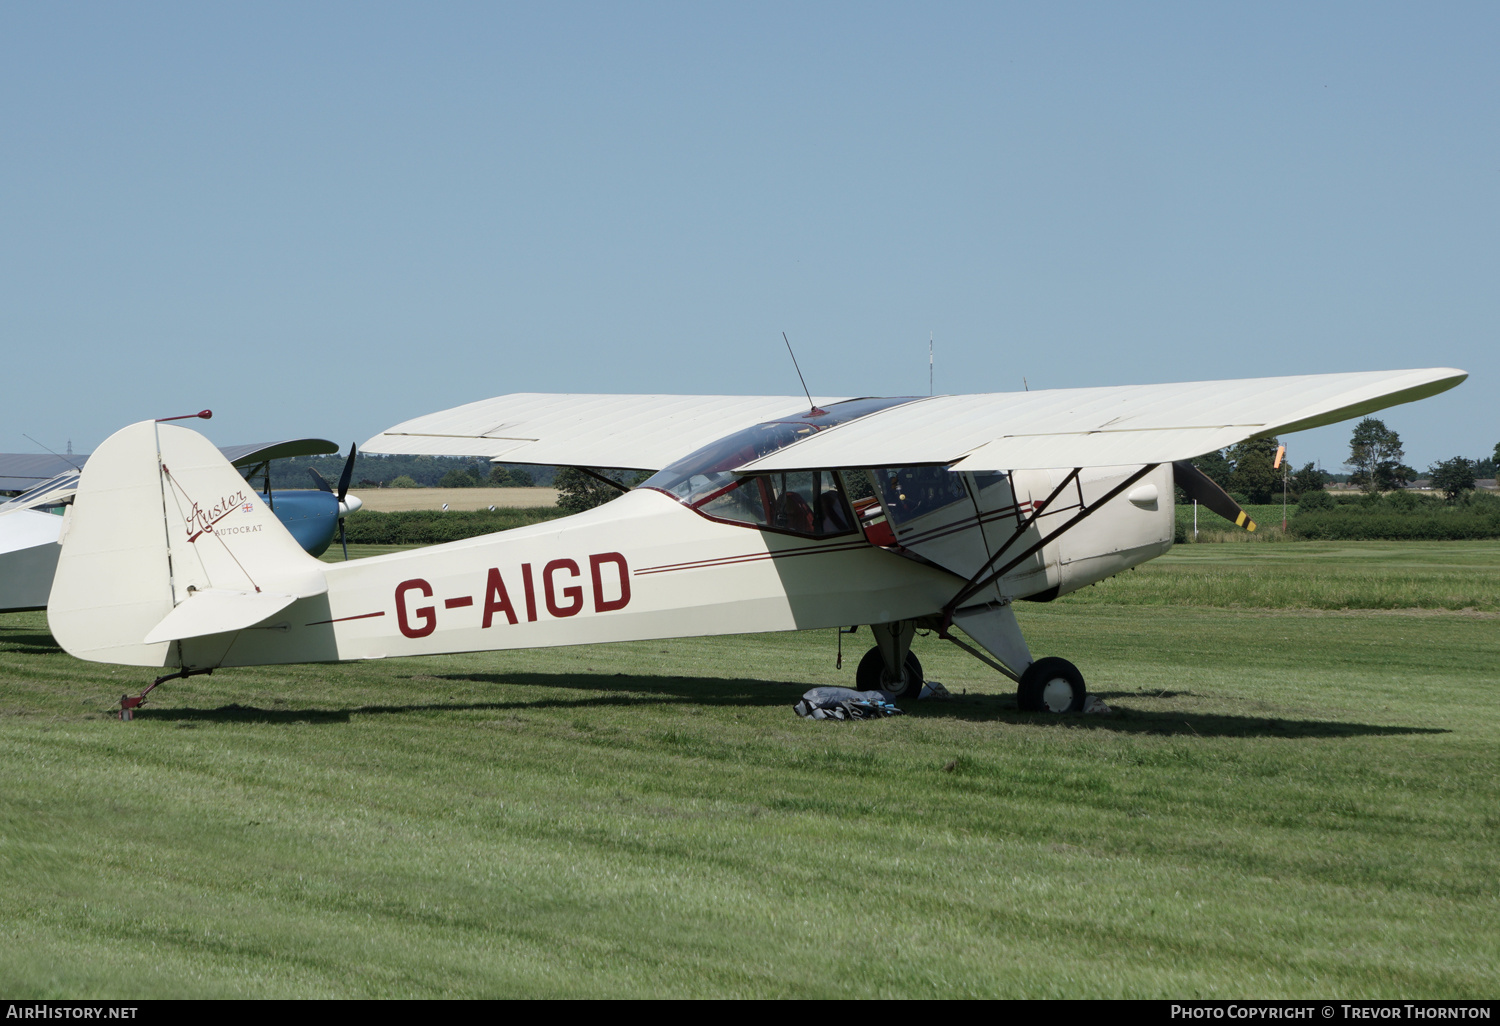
[{"x": 217, "y": 612}]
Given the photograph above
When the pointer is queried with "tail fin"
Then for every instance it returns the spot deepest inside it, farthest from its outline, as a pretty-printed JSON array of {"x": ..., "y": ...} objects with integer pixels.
[{"x": 166, "y": 541}]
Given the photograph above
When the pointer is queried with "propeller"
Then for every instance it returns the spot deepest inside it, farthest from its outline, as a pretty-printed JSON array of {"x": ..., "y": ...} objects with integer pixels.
[
  {"x": 345, "y": 506},
  {"x": 1201, "y": 488}
]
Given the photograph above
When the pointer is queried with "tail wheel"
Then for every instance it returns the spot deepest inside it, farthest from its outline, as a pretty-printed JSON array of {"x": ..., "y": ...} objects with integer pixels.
[
  {"x": 1051, "y": 685},
  {"x": 871, "y": 675}
]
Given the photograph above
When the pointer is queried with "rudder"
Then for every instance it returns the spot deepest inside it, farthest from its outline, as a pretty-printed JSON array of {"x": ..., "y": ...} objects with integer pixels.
[{"x": 161, "y": 517}]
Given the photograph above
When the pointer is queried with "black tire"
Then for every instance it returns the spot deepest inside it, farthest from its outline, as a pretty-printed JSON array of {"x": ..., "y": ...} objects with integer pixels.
[
  {"x": 871, "y": 675},
  {"x": 1040, "y": 689}
]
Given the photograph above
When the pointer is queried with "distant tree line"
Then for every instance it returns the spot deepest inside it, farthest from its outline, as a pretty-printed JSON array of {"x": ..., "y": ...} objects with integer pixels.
[
  {"x": 578, "y": 488},
  {"x": 1376, "y": 465},
  {"x": 379, "y": 471},
  {"x": 1383, "y": 508},
  {"x": 1248, "y": 472}
]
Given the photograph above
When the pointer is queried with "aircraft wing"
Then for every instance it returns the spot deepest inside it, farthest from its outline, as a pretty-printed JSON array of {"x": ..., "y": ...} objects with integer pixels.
[
  {"x": 637, "y": 432},
  {"x": 259, "y": 452},
  {"x": 53, "y": 492},
  {"x": 1100, "y": 427}
]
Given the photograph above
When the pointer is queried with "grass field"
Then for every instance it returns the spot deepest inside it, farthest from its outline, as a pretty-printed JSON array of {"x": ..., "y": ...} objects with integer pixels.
[
  {"x": 1214, "y": 528},
  {"x": 1460, "y": 575},
  {"x": 1295, "y": 799}
]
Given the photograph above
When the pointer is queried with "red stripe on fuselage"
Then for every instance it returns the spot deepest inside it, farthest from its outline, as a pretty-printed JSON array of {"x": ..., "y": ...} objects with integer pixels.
[
  {"x": 341, "y": 619},
  {"x": 751, "y": 557}
]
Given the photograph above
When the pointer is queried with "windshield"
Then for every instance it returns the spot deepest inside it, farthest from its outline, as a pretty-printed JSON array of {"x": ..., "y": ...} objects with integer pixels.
[{"x": 803, "y": 503}]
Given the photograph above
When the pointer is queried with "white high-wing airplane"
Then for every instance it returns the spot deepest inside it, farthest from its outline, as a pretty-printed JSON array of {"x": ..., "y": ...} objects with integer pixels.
[{"x": 169, "y": 559}]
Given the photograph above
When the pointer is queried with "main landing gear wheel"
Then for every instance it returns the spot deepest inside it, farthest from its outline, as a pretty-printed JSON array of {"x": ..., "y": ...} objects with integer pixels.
[
  {"x": 871, "y": 675},
  {"x": 1051, "y": 685}
]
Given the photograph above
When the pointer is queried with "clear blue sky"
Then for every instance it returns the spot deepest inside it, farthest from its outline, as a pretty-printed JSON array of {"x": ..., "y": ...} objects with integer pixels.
[{"x": 326, "y": 218}]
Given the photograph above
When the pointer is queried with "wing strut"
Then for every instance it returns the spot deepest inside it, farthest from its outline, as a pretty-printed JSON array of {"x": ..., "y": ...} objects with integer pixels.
[
  {"x": 1023, "y": 527},
  {"x": 1036, "y": 510},
  {"x": 976, "y": 585},
  {"x": 983, "y": 658},
  {"x": 601, "y": 477}
]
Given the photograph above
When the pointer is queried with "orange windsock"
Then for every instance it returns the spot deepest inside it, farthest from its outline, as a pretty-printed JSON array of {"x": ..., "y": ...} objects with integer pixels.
[{"x": 1280, "y": 452}]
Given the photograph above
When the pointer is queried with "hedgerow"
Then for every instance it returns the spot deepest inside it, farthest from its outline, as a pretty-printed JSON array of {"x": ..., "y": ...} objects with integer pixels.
[
  {"x": 429, "y": 527},
  {"x": 1353, "y": 516},
  {"x": 1441, "y": 525},
  {"x": 1400, "y": 516}
]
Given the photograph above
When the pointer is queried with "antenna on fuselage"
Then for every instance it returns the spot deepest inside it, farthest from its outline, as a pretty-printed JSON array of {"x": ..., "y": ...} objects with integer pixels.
[
  {"x": 929, "y": 363},
  {"x": 812, "y": 406}
]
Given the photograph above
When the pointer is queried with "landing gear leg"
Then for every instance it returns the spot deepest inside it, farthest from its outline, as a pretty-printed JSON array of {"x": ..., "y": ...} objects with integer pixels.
[
  {"x": 894, "y": 642},
  {"x": 994, "y": 626},
  {"x": 1044, "y": 685},
  {"x": 890, "y": 665}
]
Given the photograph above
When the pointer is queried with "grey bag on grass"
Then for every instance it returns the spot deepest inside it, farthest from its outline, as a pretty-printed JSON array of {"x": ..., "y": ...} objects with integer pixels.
[{"x": 846, "y": 704}]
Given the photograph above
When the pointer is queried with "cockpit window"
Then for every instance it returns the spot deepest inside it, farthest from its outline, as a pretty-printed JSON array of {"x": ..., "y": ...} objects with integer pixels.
[
  {"x": 909, "y": 492},
  {"x": 806, "y": 502},
  {"x": 801, "y": 502}
]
